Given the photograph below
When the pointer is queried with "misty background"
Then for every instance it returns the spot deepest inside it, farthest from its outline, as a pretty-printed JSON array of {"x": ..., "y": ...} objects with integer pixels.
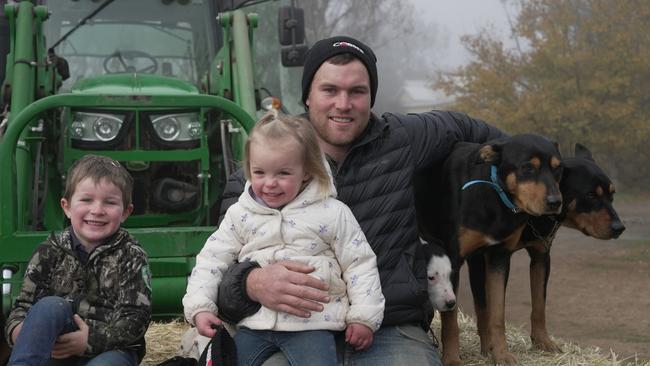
[
  {"x": 431, "y": 45},
  {"x": 576, "y": 71},
  {"x": 413, "y": 39}
]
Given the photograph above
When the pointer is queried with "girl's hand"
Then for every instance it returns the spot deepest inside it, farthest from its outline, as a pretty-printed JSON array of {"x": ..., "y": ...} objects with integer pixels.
[
  {"x": 204, "y": 322},
  {"x": 358, "y": 336}
]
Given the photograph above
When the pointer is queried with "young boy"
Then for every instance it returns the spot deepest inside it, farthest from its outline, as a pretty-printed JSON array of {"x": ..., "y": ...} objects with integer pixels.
[{"x": 86, "y": 296}]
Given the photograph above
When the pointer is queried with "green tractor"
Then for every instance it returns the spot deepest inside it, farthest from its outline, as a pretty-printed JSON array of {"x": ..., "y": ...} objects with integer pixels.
[{"x": 169, "y": 88}]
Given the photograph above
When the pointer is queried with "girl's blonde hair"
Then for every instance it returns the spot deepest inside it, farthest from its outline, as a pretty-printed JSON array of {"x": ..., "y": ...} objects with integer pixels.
[{"x": 276, "y": 126}]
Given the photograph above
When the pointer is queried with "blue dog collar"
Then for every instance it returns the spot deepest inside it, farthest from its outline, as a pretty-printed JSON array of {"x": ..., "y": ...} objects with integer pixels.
[{"x": 495, "y": 184}]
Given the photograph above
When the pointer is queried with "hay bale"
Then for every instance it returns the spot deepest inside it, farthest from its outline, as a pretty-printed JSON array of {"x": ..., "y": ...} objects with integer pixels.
[
  {"x": 163, "y": 342},
  {"x": 520, "y": 345}
]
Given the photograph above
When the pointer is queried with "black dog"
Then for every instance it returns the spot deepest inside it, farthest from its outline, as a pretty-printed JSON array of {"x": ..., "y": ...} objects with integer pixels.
[
  {"x": 484, "y": 197},
  {"x": 587, "y": 194}
]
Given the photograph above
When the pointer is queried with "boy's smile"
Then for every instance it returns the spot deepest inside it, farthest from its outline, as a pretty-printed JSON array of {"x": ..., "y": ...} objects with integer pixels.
[{"x": 96, "y": 211}]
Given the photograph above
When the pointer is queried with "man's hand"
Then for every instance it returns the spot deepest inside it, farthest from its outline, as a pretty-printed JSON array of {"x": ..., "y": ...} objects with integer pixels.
[
  {"x": 286, "y": 286},
  {"x": 73, "y": 343},
  {"x": 15, "y": 331},
  {"x": 358, "y": 336},
  {"x": 204, "y": 322}
]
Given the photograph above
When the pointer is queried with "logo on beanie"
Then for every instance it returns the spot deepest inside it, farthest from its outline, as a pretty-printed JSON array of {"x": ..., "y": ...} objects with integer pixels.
[{"x": 348, "y": 44}]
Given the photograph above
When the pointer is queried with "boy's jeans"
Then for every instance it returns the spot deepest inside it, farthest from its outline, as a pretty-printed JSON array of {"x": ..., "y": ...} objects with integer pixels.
[
  {"x": 47, "y": 319},
  {"x": 313, "y": 347}
]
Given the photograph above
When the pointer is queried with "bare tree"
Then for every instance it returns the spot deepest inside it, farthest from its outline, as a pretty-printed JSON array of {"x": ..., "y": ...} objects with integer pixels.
[{"x": 391, "y": 28}]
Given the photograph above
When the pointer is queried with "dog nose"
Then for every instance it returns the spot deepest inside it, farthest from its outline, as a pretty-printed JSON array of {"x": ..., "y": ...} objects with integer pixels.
[
  {"x": 450, "y": 304},
  {"x": 553, "y": 202},
  {"x": 617, "y": 228}
]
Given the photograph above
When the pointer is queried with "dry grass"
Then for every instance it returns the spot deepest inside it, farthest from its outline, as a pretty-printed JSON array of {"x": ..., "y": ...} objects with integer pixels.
[{"x": 163, "y": 341}]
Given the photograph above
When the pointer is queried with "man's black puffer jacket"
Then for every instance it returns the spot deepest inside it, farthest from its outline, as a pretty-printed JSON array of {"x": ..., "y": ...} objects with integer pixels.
[{"x": 376, "y": 181}]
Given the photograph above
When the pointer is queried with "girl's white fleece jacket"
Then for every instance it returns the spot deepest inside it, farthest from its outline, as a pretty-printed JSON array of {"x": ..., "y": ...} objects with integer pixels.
[{"x": 320, "y": 232}]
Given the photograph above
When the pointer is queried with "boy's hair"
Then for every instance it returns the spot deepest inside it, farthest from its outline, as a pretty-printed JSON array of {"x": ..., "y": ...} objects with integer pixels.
[
  {"x": 275, "y": 126},
  {"x": 97, "y": 168}
]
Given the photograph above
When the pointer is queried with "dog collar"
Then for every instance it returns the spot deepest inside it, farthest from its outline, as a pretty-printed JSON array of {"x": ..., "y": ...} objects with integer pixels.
[{"x": 494, "y": 183}]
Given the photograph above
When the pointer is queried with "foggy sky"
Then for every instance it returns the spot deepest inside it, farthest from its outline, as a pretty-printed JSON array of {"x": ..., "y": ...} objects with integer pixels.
[
  {"x": 459, "y": 17},
  {"x": 447, "y": 21}
]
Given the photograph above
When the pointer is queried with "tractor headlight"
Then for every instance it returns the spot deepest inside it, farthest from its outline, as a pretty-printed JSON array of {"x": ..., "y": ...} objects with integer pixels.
[
  {"x": 177, "y": 127},
  {"x": 95, "y": 126}
]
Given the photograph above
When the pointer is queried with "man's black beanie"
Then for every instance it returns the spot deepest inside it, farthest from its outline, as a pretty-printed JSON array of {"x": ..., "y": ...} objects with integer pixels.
[{"x": 324, "y": 49}]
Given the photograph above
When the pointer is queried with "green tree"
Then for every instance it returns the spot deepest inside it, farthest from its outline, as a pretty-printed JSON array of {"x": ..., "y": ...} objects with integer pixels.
[{"x": 580, "y": 73}]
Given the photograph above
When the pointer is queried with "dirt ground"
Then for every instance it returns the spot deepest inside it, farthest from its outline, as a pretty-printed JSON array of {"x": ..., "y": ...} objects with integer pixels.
[{"x": 599, "y": 291}]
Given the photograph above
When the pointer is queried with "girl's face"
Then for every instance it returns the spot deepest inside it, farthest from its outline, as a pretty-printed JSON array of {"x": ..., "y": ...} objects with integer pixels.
[{"x": 277, "y": 170}]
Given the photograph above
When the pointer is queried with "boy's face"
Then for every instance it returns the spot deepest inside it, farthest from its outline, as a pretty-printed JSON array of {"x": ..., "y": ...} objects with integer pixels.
[
  {"x": 277, "y": 172},
  {"x": 95, "y": 211}
]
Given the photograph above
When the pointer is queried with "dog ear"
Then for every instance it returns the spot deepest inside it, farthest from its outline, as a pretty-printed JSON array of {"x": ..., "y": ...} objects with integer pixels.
[
  {"x": 583, "y": 152},
  {"x": 490, "y": 154}
]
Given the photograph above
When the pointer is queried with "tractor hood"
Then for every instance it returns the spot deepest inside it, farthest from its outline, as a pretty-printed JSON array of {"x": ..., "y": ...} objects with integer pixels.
[{"x": 134, "y": 84}]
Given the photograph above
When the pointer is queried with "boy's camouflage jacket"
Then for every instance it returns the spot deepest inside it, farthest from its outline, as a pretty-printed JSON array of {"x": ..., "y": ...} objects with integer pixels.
[{"x": 111, "y": 293}]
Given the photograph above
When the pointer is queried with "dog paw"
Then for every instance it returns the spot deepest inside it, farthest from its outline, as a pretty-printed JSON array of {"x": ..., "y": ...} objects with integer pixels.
[
  {"x": 504, "y": 358},
  {"x": 485, "y": 345},
  {"x": 546, "y": 345},
  {"x": 485, "y": 349}
]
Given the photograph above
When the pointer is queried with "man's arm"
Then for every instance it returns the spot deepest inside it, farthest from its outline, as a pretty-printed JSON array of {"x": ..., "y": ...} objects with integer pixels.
[
  {"x": 470, "y": 129},
  {"x": 283, "y": 286},
  {"x": 433, "y": 134},
  {"x": 233, "y": 301}
]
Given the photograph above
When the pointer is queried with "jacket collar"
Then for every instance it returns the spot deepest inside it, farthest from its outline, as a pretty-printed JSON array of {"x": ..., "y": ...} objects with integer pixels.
[
  {"x": 376, "y": 127},
  {"x": 64, "y": 240},
  {"x": 306, "y": 197}
]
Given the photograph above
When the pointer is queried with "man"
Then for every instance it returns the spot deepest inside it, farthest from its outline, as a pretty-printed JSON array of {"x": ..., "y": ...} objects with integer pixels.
[{"x": 373, "y": 161}]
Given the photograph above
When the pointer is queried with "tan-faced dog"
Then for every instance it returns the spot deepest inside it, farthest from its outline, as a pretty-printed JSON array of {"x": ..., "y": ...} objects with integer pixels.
[
  {"x": 484, "y": 197},
  {"x": 588, "y": 194}
]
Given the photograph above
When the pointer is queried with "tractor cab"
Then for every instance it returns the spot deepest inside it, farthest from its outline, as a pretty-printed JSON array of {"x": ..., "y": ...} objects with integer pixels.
[
  {"x": 176, "y": 39},
  {"x": 169, "y": 88}
]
